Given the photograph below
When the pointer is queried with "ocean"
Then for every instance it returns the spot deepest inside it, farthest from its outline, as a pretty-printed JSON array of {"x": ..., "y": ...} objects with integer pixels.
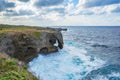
[{"x": 89, "y": 53}]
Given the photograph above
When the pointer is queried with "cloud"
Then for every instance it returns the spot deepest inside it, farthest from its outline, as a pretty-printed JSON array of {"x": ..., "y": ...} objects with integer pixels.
[
  {"x": 117, "y": 9},
  {"x": 57, "y": 11},
  {"x": 12, "y": 13},
  {"x": 95, "y": 3},
  {"x": 4, "y": 5},
  {"x": 54, "y": 16},
  {"x": 109, "y": 9},
  {"x": 93, "y": 7},
  {"x": 45, "y": 3}
]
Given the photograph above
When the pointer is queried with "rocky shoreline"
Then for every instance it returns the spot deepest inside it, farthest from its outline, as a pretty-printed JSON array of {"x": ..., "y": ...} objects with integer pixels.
[{"x": 25, "y": 43}]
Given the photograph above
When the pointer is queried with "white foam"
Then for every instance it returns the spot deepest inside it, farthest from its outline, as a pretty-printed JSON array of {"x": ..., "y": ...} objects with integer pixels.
[
  {"x": 114, "y": 74},
  {"x": 106, "y": 77},
  {"x": 100, "y": 77},
  {"x": 70, "y": 63}
]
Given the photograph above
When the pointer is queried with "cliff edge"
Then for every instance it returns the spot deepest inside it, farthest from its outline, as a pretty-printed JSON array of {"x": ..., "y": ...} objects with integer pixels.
[{"x": 25, "y": 43}]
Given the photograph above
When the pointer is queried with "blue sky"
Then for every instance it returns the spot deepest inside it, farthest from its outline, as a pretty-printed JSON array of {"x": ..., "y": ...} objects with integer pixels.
[{"x": 60, "y": 12}]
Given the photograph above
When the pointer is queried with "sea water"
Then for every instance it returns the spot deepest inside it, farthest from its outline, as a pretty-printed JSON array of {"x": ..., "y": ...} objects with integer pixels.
[{"x": 89, "y": 53}]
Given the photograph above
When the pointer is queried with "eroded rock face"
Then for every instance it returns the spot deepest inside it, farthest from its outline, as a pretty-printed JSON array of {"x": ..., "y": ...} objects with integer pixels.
[{"x": 26, "y": 46}]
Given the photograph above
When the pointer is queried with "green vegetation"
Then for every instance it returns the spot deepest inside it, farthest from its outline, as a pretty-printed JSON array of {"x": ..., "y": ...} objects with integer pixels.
[
  {"x": 36, "y": 34},
  {"x": 11, "y": 70},
  {"x": 24, "y": 29}
]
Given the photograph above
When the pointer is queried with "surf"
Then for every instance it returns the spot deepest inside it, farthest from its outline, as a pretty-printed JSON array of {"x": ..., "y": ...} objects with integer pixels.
[{"x": 71, "y": 63}]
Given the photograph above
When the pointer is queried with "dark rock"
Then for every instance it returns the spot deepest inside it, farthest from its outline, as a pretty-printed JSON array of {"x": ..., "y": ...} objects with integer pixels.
[
  {"x": 100, "y": 45},
  {"x": 25, "y": 46}
]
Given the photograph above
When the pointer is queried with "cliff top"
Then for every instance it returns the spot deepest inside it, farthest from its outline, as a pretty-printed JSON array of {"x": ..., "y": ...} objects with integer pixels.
[{"x": 24, "y": 29}]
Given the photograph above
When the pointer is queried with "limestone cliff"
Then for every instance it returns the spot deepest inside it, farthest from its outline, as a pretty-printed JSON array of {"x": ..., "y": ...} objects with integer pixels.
[{"x": 26, "y": 43}]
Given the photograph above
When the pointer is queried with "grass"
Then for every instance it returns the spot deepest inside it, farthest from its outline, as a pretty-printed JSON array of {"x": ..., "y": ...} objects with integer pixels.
[
  {"x": 23, "y": 29},
  {"x": 11, "y": 70},
  {"x": 36, "y": 34}
]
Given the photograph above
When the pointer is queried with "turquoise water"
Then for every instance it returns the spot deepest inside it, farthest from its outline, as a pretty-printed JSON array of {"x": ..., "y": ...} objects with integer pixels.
[{"x": 88, "y": 54}]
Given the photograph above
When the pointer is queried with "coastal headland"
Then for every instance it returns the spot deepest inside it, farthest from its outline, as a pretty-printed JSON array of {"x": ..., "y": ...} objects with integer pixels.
[{"x": 24, "y": 43}]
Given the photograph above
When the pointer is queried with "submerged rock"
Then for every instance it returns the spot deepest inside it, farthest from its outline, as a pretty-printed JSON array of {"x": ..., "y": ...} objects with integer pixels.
[{"x": 25, "y": 44}]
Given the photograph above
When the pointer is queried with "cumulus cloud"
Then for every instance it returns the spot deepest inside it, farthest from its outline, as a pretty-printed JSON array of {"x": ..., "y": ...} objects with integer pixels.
[
  {"x": 90, "y": 7},
  {"x": 95, "y": 3},
  {"x": 51, "y": 16},
  {"x": 63, "y": 7},
  {"x": 4, "y": 5},
  {"x": 20, "y": 13},
  {"x": 56, "y": 9},
  {"x": 20, "y": 9}
]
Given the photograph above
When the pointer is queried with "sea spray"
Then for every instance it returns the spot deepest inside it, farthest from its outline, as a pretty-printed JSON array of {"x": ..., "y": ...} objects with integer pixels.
[{"x": 70, "y": 63}]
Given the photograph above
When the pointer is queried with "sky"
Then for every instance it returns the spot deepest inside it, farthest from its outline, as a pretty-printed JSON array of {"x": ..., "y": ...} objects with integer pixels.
[{"x": 60, "y": 12}]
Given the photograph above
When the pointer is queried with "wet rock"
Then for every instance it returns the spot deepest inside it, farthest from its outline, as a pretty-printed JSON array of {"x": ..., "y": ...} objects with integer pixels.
[{"x": 100, "y": 45}]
